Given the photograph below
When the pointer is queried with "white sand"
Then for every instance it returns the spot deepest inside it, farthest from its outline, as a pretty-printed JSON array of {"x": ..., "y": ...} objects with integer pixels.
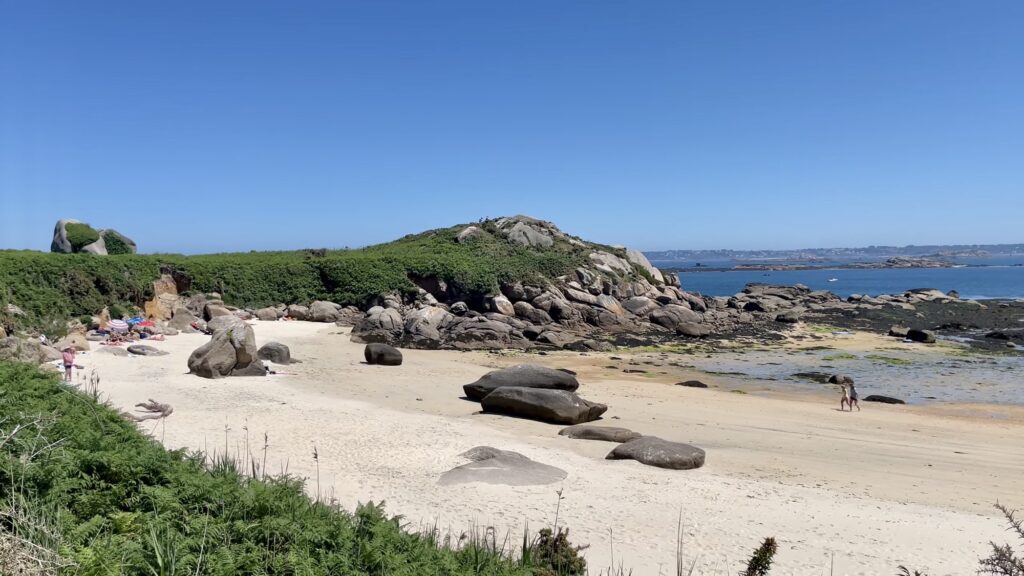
[{"x": 876, "y": 489}]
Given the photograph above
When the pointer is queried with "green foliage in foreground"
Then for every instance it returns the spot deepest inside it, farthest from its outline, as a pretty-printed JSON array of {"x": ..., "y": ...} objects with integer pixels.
[
  {"x": 68, "y": 285},
  {"x": 79, "y": 480},
  {"x": 80, "y": 235}
]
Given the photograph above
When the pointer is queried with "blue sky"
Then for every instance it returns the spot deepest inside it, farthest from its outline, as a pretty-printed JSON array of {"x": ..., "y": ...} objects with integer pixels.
[{"x": 213, "y": 126}]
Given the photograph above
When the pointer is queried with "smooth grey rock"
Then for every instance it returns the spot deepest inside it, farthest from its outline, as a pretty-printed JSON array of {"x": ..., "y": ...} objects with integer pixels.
[
  {"x": 144, "y": 350},
  {"x": 654, "y": 451},
  {"x": 275, "y": 352},
  {"x": 321, "y": 311},
  {"x": 297, "y": 312},
  {"x": 883, "y": 399},
  {"x": 382, "y": 354},
  {"x": 523, "y": 376},
  {"x": 604, "y": 433},
  {"x": 545, "y": 405}
]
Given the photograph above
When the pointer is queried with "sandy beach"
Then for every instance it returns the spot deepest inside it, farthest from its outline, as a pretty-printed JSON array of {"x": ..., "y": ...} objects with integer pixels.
[{"x": 869, "y": 491}]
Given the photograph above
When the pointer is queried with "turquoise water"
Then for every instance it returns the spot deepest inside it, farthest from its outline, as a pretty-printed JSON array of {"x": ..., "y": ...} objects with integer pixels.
[{"x": 998, "y": 278}]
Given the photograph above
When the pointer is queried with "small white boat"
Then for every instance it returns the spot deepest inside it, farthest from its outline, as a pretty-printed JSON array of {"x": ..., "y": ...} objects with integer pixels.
[{"x": 833, "y": 279}]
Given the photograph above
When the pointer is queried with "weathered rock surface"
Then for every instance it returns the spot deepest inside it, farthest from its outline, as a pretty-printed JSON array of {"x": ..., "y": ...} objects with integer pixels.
[
  {"x": 231, "y": 351},
  {"x": 502, "y": 467},
  {"x": 654, "y": 451},
  {"x": 31, "y": 351},
  {"x": 382, "y": 354},
  {"x": 297, "y": 312},
  {"x": 380, "y": 325},
  {"x": 321, "y": 311},
  {"x": 523, "y": 376},
  {"x": 604, "y": 433},
  {"x": 275, "y": 352},
  {"x": 545, "y": 405}
]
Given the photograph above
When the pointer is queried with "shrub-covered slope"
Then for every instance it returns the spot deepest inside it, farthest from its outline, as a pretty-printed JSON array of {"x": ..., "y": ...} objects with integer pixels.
[{"x": 48, "y": 285}]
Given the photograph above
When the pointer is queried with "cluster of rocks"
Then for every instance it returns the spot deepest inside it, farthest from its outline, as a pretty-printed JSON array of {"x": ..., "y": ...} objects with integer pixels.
[
  {"x": 618, "y": 293},
  {"x": 548, "y": 395},
  {"x": 231, "y": 351},
  {"x": 61, "y": 242}
]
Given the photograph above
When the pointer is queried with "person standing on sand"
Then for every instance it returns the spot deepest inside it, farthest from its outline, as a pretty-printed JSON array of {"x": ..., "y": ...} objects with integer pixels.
[
  {"x": 853, "y": 397},
  {"x": 69, "y": 362}
]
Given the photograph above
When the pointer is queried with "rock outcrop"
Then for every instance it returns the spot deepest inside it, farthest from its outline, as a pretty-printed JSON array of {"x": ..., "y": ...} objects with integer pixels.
[{"x": 71, "y": 236}]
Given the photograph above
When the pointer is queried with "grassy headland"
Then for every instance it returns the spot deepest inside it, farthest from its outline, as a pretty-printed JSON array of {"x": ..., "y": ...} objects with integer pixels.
[{"x": 50, "y": 286}]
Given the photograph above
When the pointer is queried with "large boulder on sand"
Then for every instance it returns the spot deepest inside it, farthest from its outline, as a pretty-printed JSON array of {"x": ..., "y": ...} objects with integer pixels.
[
  {"x": 654, "y": 451},
  {"x": 275, "y": 352},
  {"x": 522, "y": 376},
  {"x": 382, "y": 354},
  {"x": 492, "y": 466},
  {"x": 604, "y": 433},
  {"x": 230, "y": 352},
  {"x": 552, "y": 406}
]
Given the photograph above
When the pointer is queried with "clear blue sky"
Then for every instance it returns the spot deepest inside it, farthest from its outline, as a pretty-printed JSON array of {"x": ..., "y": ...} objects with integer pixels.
[{"x": 211, "y": 126}]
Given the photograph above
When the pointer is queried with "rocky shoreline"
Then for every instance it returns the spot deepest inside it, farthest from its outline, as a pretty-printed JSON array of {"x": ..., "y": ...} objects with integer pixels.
[{"x": 618, "y": 298}]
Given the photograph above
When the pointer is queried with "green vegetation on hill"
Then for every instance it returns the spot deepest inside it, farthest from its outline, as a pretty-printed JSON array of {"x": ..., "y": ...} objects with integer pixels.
[
  {"x": 81, "y": 487},
  {"x": 62, "y": 286},
  {"x": 81, "y": 235}
]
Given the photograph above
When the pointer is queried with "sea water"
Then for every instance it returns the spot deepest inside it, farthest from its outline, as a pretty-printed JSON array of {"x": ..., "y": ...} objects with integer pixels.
[{"x": 977, "y": 278}]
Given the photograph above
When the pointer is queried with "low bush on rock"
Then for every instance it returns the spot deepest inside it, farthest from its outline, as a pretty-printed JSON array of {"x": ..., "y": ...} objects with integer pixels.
[{"x": 80, "y": 235}]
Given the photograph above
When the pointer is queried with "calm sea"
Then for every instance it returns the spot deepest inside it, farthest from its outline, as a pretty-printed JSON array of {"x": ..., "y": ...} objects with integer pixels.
[{"x": 983, "y": 278}]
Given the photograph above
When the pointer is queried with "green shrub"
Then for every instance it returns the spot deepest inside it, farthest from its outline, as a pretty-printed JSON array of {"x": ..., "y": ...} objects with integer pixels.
[
  {"x": 80, "y": 235},
  {"x": 116, "y": 243},
  {"x": 116, "y": 312}
]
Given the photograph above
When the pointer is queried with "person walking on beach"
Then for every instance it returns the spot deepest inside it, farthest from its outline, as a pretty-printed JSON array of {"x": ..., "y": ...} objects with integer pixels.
[
  {"x": 844, "y": 400},
  {"x": 852, "y": 397},
  {"x": 69, "y": 362}
]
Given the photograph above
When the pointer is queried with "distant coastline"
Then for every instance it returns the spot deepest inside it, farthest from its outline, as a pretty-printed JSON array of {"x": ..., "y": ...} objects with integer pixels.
[{"x": 898, "y": 262}]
